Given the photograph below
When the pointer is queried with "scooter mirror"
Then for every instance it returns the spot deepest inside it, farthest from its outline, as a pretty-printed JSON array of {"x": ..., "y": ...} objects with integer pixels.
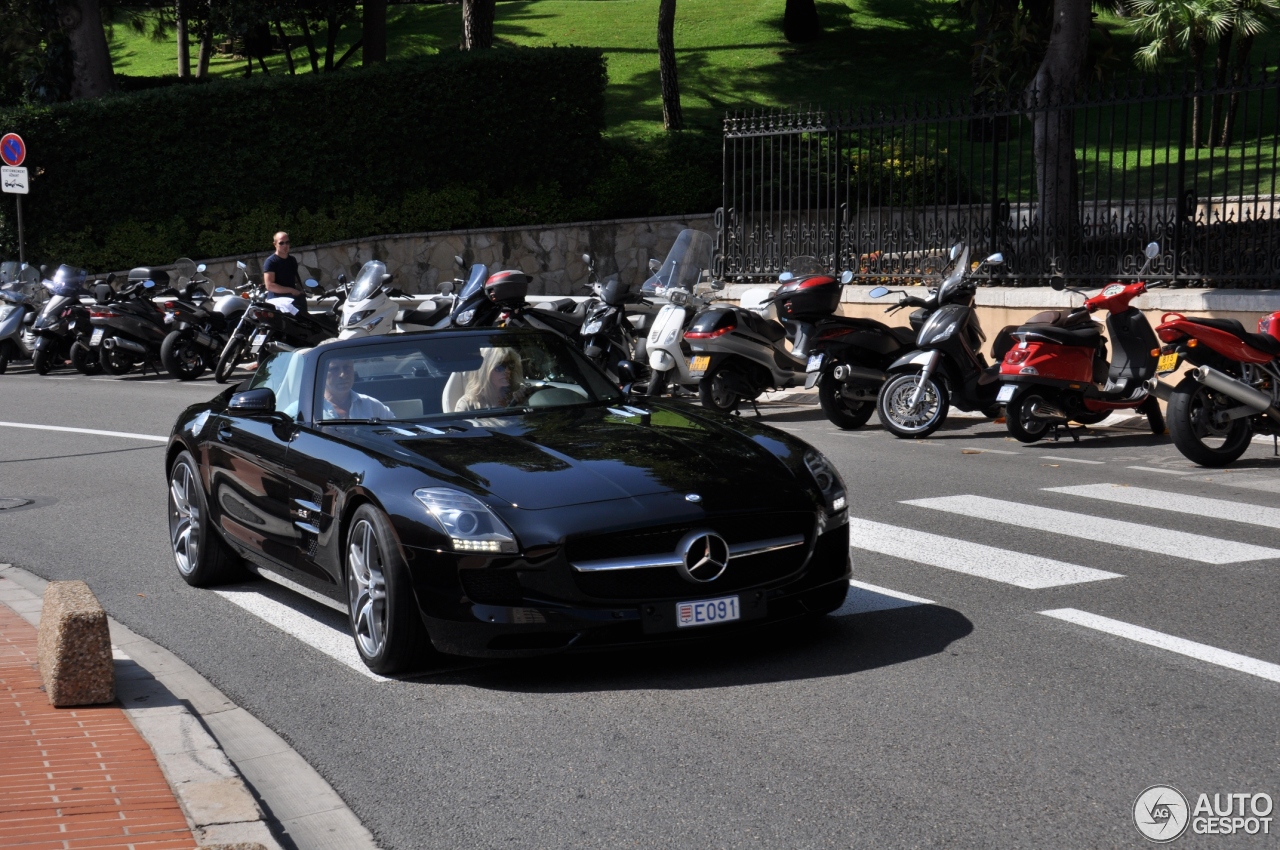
[
  {"x": 312, "y": 282},
  {"x": 201, "y": 268},
  {"x": 785, "y": 276},
  {"x": 717, "y": 285},
  {"x": 956, "y": 249},
  {"x": 846, "y": 276},
  {"x": 996, "y": 259},
  {"x": 342, "y": 278},
  {"x": 1153, "y": 250},
  {"x": 386, "y": 277},
  {"x": 221, "y": 290},
  {"x": 446, "y": 287},
  {"x": 147, "y": 284},
  {"x": 586, "y": 258},
  {"x": 654, "y": 265},
  {"x": 879, "y": 292},
  {"x": 458, "y": 260},
  {"x": 1058, "y": 282}
]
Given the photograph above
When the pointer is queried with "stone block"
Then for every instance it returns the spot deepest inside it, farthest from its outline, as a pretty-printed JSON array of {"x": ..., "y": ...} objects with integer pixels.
[{"x": 74, "y": 646}]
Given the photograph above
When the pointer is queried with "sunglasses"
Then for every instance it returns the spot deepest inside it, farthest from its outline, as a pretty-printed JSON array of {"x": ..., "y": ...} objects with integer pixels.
[{"x": 284, "y": 242}]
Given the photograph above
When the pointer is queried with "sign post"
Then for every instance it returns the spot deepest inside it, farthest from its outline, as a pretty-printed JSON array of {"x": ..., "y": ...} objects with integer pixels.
[{"x": 13, "y": 178}]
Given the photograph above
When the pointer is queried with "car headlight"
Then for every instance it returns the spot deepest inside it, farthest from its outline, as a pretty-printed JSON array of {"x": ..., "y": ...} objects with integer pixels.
[
  {"x": 357, "y": 318},
  {"x": 465, "y": 317},
  {"x": 828, "y": 481},
  {"x": 468, "y": 522}
]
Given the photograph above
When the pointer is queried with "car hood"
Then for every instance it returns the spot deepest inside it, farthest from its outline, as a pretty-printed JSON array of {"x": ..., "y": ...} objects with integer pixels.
[{"x": 572, "y": 456}]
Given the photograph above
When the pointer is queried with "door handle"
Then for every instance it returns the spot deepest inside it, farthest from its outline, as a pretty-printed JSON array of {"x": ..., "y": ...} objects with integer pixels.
[{"x": 224, "y": 433}]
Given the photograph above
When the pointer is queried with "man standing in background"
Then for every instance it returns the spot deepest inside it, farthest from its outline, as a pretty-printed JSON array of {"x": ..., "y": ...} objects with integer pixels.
[{"x": 280, "y": 273}]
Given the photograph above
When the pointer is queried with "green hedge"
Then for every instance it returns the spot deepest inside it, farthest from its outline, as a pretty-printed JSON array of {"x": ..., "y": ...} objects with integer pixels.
[{"x": 435, "y": 142}]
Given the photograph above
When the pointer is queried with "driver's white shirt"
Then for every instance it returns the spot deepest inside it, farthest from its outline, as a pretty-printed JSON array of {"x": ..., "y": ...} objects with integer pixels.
[{"x": 362, "y": 407}]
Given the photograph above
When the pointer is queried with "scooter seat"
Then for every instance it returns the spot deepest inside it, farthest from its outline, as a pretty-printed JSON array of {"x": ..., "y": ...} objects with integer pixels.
[
  {"x": 1060, "y": 319},
  {"x": 1084, "y": 336},
  {"x": 1263, "y": 342},
  {"x": 906, "y": 336},
  {"x": 772, "y": 331},
  {"x": 424, "y": 317}
]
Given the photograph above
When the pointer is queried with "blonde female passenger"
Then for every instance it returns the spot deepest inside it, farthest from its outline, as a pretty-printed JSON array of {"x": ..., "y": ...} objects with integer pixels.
[{"x": 498, "y": 383}]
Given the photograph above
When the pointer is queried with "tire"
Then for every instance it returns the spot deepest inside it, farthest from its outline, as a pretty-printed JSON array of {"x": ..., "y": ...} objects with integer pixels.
[
  {"x": 202, "y": 557},
  {"x": 1155, "y": 418},
  {"x": 43, "y": 361},
  {"x": 843, "y": 413},
  {"x": 714, "y": 391},
  {"x": 657, "y": 383},
  {"x": 382, "y": 608},
  {"x": 230, "y": 359},
  {"x": 1022, "y": 426},
  {"x": 181, "y": 357},
  {"x": 84, "y": 361},
  {"x": 114, "y": 361},
  {"x": 5, "y": 354},
  {"x": 892, "y": 405},
  {"x": 1194, "y": 431}
]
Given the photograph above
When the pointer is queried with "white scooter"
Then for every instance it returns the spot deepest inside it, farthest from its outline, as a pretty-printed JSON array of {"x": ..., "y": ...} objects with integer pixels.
[
  {"x": 20, "y": 299},
  {"x": 369, "y": 309},
  {"x": 676, "y": 280}
]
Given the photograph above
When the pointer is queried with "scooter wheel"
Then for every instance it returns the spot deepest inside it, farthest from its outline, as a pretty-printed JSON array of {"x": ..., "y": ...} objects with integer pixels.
[
  {"x": 1155, "y": 418},
  {"x": 182, "y": 357},
  {"x": 900, "y": 418},
  {"x": 230, "y": 358},
  {"x": 1022, "y": 426},
  {"x": 43, "y": 361},
  {"x": 4, "y": 356},
  {"x": 1200, "y": 429},
  {"x": 715, "y": 389},
  {"x": 843, "y": 412},
  {"x": 84, "y": 360},
  {"x": 114, "y": 361},
  {"x": 657, "y": 383}
]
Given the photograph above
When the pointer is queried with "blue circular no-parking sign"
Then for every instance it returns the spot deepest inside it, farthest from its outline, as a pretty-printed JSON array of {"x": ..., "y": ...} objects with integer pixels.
[{"x": 12, "y": 149}]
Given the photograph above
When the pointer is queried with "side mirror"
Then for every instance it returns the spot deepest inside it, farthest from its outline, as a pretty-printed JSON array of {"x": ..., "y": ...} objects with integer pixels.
[
  {"x": 628, "y": 373},
  {"x": 44, "y": 270},
  {"x": 201, "y": 268},
  {"x": 956, "y": 249},
  {"x": 147, "y": 284},
  {"x": 446, "y": 287},
  {"x": 312, "y": 282},
  {"x": 586, "y": 258},
  {"x": 995, "y": 259},
  {"x": 458, "y": 260},
  {"x": 261, "y": 400},
  {"x": 342, "y": 278},
  {"x": 846, "y": 276},
  {"x": 221, "y": 290},
  {"x": 1153, "y": 250},
  {"x": 879, "y": 292},
  {"x": 717, "y": 285},
  {"x": 386, "y": 277},
  {"x": 240, "y": 265},
  {"x": 785, "y": 276},
  {"x": 654, "y": 265},
  {"x": 1058, "y": 282}
]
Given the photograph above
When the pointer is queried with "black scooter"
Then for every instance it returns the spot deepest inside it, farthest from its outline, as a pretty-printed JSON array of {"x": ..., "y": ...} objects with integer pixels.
[
  {"x": 272, "y": 324},
  {"x": 63, "y": 323},
  {"x": 129, "y": 328},
  {"x": 199, "y": 330}
]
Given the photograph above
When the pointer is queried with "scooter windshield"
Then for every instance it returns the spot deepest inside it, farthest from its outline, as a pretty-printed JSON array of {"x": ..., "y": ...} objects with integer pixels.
[
  {"x": 953, "y": 275},
  {"x": 8, "y": 271},
  {"x": 683, "y": 267},
  {"x": 368, "y": 281},
  {"x": 802, "y": 266},
  {"x": 67, "y": 280}
]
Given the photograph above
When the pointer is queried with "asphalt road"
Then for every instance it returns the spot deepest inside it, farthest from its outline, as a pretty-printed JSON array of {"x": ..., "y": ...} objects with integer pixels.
[{"x": 974, "y": 720}]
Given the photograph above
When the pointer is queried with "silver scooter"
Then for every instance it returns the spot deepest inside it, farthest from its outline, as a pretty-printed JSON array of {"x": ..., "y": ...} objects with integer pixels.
[
  {"x": 677, "y": 279},
  {"x": 21, "y": 297}
]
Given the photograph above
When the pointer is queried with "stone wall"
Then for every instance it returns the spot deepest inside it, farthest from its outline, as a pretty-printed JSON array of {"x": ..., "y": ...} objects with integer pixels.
[{"x": 552, "y": 254}]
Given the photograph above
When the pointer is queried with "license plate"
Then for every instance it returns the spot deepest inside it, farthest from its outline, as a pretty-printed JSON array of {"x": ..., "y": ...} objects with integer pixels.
[
  {"x": 707, "y": 611},
  {"x": 258, "y": 339},
  {"x": 97, "y": 336},
  {"x": 815, "y": 363},
  {"x": 699, "y": 364},
  {"x": 1168, "y": 362},
  {"x": 1006, "y": 393}
]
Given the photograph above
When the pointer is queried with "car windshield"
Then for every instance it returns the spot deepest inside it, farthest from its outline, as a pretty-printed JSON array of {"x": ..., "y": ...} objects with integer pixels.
[
  {"x": 684, "y": 264},
  {"x": 368, "y": 281},
  {"x": 67, "y": 280},
  {"x": 451, "y": 375}
]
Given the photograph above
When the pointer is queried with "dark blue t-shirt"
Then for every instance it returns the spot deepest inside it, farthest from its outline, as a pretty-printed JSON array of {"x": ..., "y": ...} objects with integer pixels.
[{"x": 285, "y": 268}]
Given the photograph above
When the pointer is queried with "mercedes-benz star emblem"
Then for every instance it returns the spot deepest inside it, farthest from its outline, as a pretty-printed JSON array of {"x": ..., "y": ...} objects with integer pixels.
[{"x": 703, "y": 556}]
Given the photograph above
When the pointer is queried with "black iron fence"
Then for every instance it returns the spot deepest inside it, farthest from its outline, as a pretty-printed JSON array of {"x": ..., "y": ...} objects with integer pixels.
[{"x": 1075, "y": 186}]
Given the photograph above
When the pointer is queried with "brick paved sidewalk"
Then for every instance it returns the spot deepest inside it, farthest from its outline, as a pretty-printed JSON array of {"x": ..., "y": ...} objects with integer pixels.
[{"x": 74, "y": 778}]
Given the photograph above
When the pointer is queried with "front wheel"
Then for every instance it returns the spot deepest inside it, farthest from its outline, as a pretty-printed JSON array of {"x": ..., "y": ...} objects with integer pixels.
[
  {"x": 908, "y": 421},
  {"x": 202, "y": 557},
  {"x": 5, "y": 354},
  {"x": 843, "y": 412},
  {"x": 182, "y": 357},
  {"x": 1200, "y": 428},
  {"x": 84, "y": 360},
  {"x": 43, "y": 361},
  {"x": 1022, "y": 426},
  {"x": 230, "y": 359},
  {"x": 657, "y": 382},
  {"x": 716, "y": 389},
  {"x": 114, "y": 360},
  {"x": 385, "y": 619},
  {"x": 1155, "y": 419}
]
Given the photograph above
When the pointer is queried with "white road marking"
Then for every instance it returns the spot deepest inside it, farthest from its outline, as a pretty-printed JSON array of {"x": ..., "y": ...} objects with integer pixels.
[
  {"x": 1176, "y": 502},
  {"x": 864, "y": 598},
  {"x": 1131, "y": 535},
  {"x": 125, "y": 434},
  {"x": 285, "y": 611},
  {"x": 975, "y": 559},
  {"x": 1157, "y": 469},
  {"x": 1191, "y": 649},
  {"x": 1069, "y": 459},
  {"x": 991, "y": 451}
]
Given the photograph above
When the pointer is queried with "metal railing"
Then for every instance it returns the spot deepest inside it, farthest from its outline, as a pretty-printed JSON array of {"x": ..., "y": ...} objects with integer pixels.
[{"x": 1076, "y": 186}]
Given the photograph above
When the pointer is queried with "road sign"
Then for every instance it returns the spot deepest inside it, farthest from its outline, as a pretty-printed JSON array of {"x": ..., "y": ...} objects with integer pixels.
[
  {"x": 12, "y": 149},
  {"x": 13, "y": 180}
]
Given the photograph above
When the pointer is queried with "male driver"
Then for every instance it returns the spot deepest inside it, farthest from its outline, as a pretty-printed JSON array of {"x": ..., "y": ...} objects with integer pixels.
[
  {"x": 341, "y": 402},
  {"x": 280, "y": 273}
]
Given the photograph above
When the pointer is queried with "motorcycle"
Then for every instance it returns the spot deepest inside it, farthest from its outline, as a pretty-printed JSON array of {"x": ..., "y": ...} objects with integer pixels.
[
  {"x": 199, "y": 325},
  {"x": 946, "y": 367},
  {"x": 63, "y": 322},
  {"x": 1232, "y": 393},
  {"x": 20, "y": 299},
  {"x": 273, "y": 323},
  {"x": 676, "y": 279},
  {"x": 369, "y": 309},
  {"x": 129, "y": 328},
  {"x": 1053, "y": 375}
]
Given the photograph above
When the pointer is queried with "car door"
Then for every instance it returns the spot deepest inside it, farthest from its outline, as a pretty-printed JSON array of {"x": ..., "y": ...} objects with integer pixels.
[{"x": 248, "y": 457}]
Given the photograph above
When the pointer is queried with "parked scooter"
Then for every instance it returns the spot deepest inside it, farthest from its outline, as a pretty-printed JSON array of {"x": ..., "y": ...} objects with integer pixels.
[
  {"x": 129, "y": 329},
  {"x": 273, "y": 323},
  {"x": 1053, "y": 375},
  {"x": 21, "y": 297},
  {"x": 62, "y": 322},
  {"x": 369, "y": 309},
  {"x": 947, "y": 366},
  {"x": 199, "y": 329},
  {"x": 677, "y": 279}
]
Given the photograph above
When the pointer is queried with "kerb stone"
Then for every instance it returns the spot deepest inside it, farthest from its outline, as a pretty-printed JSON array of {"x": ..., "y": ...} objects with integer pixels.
[{"x": 74, "y": 646}]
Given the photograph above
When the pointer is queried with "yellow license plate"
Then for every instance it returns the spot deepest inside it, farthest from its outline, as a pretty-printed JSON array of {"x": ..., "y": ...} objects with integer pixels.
[
  {"x": 700, "y": 364},
  {"x": 1168, "y": 362}
]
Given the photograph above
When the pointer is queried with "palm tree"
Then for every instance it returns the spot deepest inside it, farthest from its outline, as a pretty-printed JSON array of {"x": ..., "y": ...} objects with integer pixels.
[
  {"x": 1245, "y": 21},
  {"x": 1175, "y": 25}
]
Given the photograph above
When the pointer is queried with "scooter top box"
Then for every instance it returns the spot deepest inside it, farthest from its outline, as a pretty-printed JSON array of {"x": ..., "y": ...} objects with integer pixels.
[
  {"x": 817, "y": 295},
  {"x": 159, "y": 277},
  {"x": 507, "y": 287}
]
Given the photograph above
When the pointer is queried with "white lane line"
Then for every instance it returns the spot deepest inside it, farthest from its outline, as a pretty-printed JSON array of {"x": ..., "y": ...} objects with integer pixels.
[
  {"x": 1070, "y": 459},
  {"x": 1131, "y": 535},
  {"x": 1157, "y": 469},
  {"x": 284, "y": 610},
  {"x": 125, "y": 434},
  {"x": 975, "y": 559},
  {"x": 990, "y": 451},
  {"x": 1176, "y": 502},
  {"x": 1191, "y": 649},
  {"x": 865, "y": 598}
]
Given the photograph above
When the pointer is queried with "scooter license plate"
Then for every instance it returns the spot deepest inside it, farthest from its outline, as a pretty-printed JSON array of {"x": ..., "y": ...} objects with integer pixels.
[
  {"x": 97, "y": 336},
  {"x": 258, "y": 339},
  {"x": 1006, "y": 393},
  {"x": 699, "y": 364},
  {"x": 815, "y": 363},
  {"x": 1168, "y": 362}
]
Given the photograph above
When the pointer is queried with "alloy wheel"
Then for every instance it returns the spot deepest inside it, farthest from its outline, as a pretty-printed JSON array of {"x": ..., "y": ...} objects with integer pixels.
[
  {"x": 184, "y": 519},
  {"x": 909, "y": 418},
  {"x": 367, "y": 589}
]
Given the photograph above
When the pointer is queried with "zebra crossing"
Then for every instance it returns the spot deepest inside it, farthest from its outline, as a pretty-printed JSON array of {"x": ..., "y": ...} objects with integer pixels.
[{"x": 1032, "y": 572}]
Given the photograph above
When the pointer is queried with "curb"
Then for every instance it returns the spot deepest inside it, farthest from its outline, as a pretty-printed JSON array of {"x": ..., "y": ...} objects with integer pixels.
[{"x": 236, "y": 780}]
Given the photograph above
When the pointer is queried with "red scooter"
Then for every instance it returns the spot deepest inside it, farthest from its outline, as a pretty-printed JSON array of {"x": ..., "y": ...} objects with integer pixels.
[{"x": 1058, "y": 372}]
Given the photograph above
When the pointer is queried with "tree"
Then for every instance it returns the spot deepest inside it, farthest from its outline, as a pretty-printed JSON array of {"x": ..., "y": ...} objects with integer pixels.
[
  {"x": 800, "y": 21},
  {"x": 184, "y": 47},
  {"x": 477, "y": 24},
  {"x": 672, "y": 118},
  {"x": 91, "y": 74},
  {"x": 1244, "y": 21},
  {"x": 374, "y": 37},
  {"x": 1174, "y": 25}
]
